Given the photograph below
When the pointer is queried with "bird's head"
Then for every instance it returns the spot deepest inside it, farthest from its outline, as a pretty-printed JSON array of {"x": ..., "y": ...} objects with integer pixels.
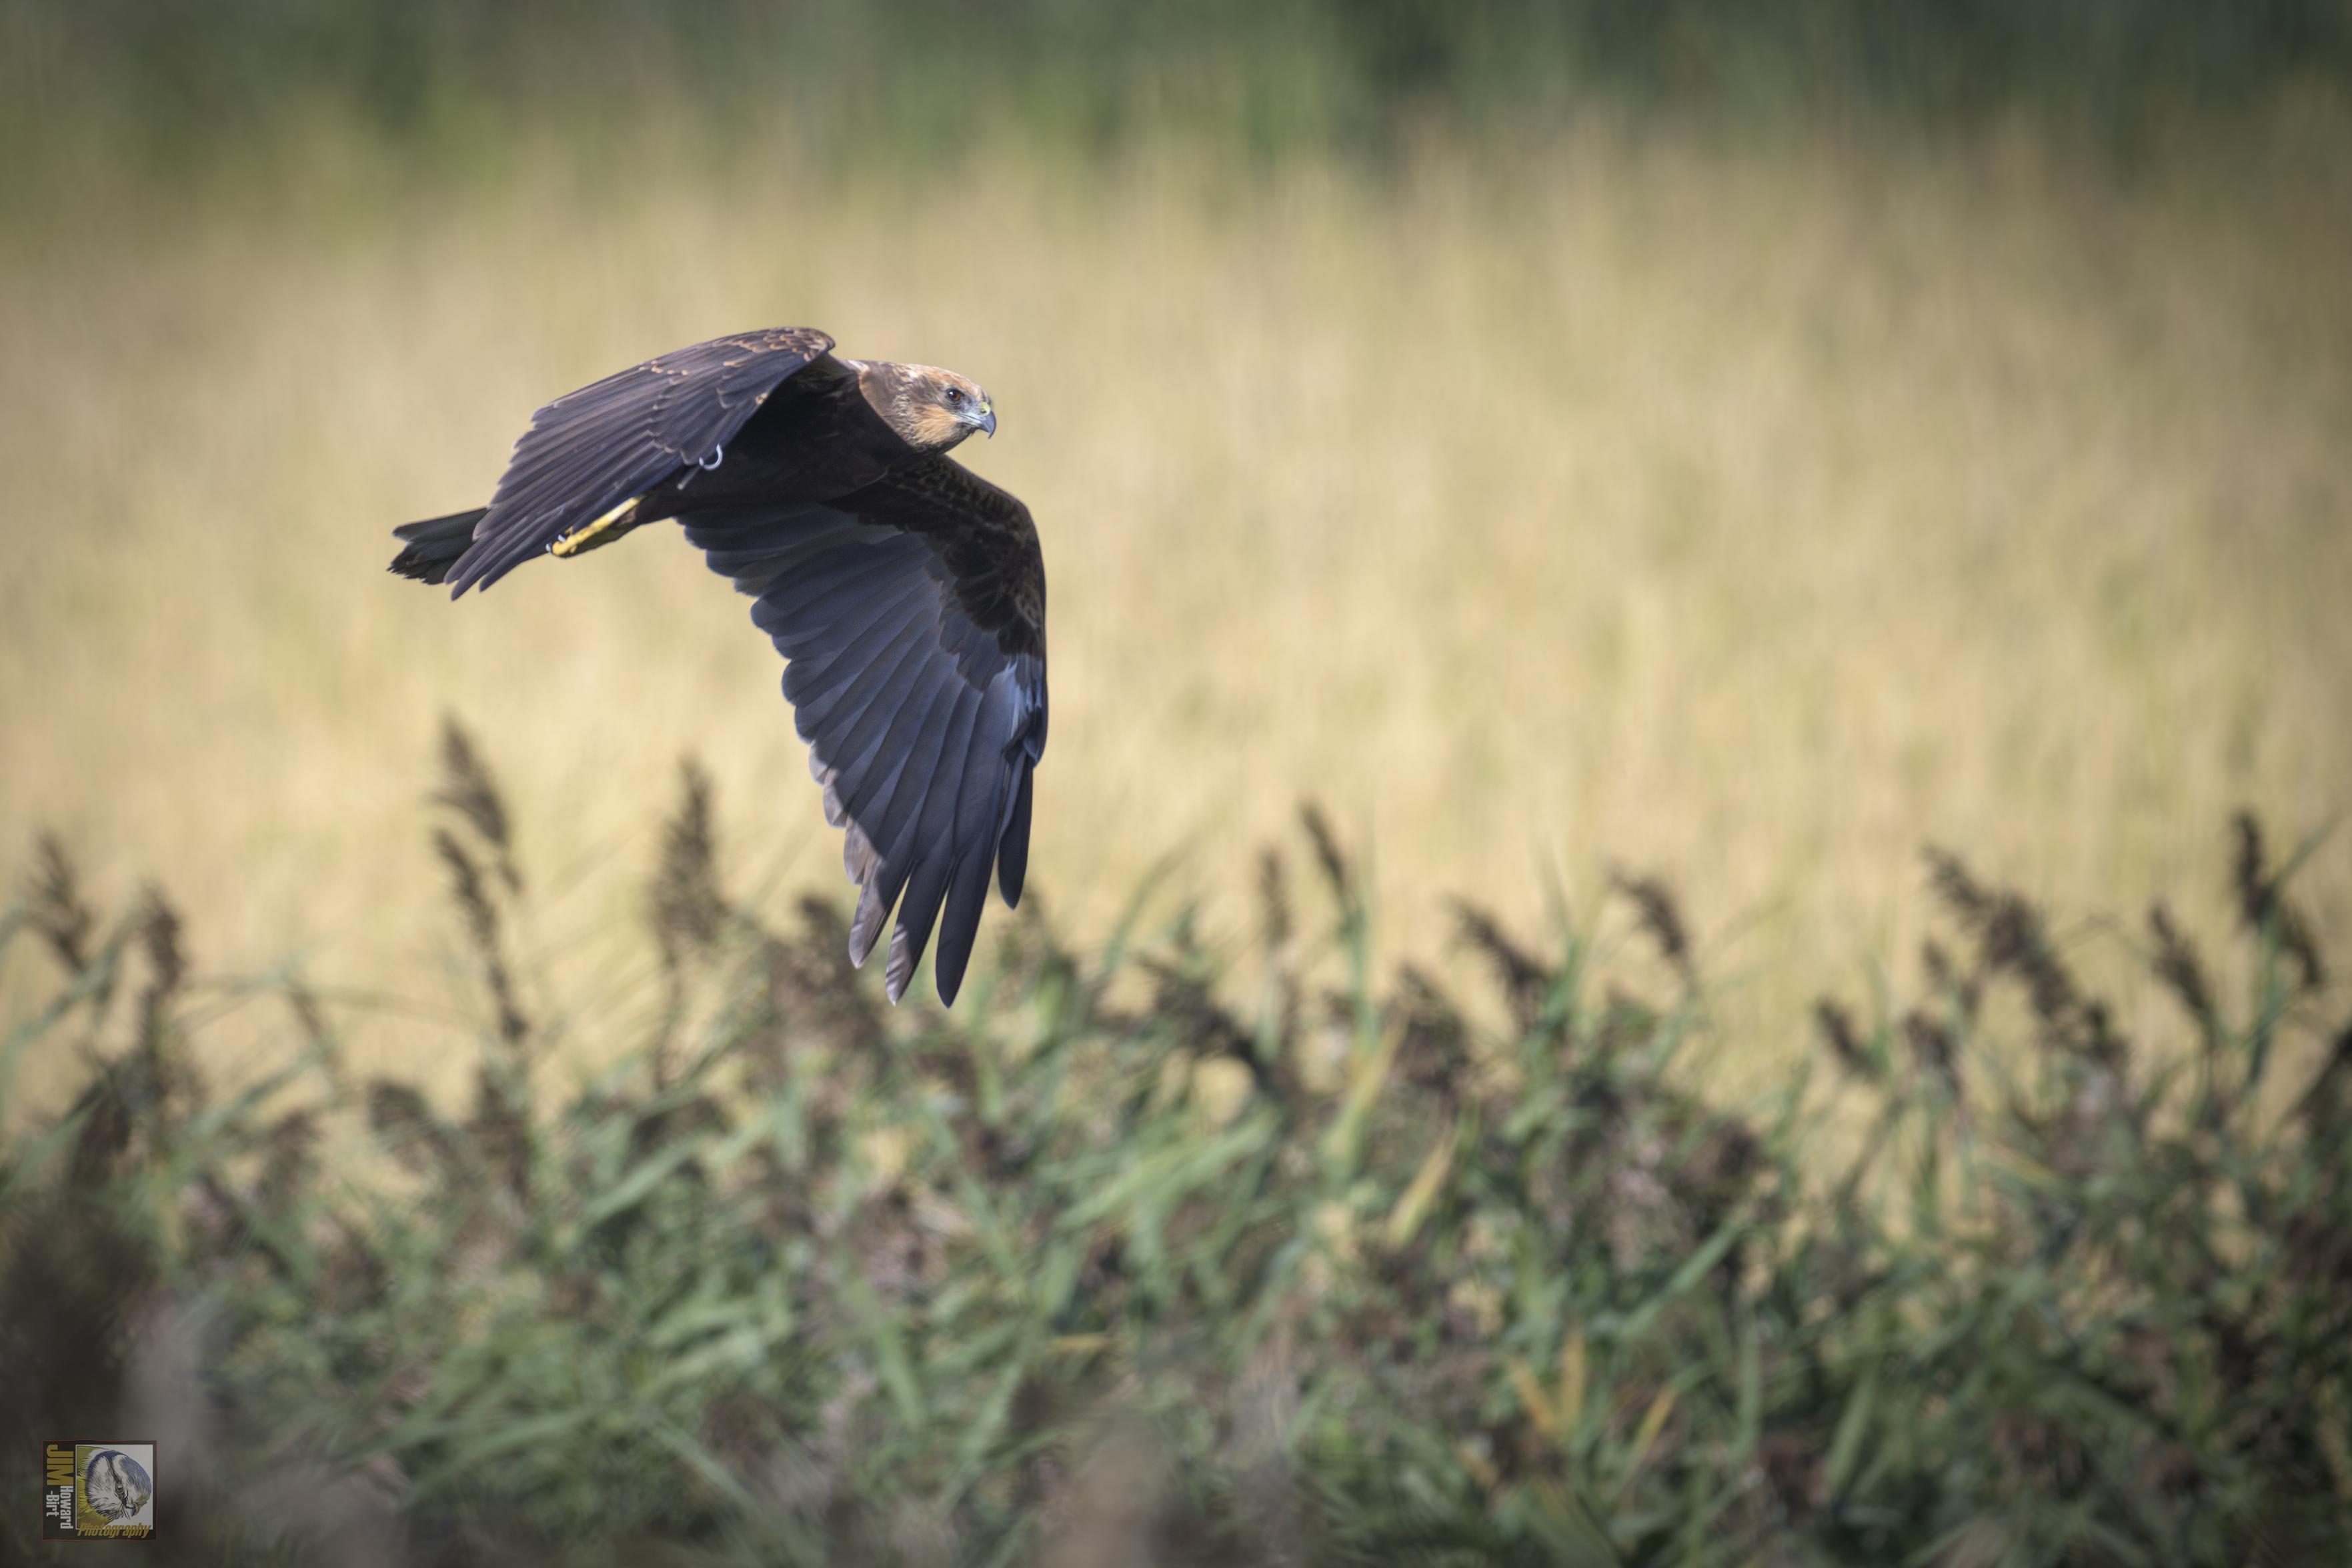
[{"x": 931, "y": 408}]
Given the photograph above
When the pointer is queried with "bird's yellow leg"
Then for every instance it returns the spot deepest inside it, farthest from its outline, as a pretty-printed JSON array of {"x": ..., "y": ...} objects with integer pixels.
[{"x": 601, "y": 532}]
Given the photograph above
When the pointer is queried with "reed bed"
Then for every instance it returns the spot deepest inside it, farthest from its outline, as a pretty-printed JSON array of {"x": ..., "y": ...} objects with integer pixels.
[{"x": 1155, "y": 1251}]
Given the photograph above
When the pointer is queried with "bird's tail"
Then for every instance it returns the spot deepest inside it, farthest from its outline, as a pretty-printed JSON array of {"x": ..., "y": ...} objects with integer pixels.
[{"x": 433, "y": 546}]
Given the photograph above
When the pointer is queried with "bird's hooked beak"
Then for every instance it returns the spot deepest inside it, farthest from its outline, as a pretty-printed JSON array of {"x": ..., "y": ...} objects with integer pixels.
[{"x": 983, "y": 418}]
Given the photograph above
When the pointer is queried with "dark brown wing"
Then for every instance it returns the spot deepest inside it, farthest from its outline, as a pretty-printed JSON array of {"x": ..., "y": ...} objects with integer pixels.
[
  {"x": 589, "y": 451},
  {"x": 913, "y": 615}
]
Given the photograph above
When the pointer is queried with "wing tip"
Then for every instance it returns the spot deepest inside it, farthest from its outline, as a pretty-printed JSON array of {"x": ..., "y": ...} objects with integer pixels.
[
  {"x": 866, "y": 924},
  {"x": 904, "y": 956},
  {"x": 1012, "y": 838}
]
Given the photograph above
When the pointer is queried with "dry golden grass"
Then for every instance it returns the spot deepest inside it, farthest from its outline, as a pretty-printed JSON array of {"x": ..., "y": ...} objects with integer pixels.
[{"x": 1750, "y": 518}]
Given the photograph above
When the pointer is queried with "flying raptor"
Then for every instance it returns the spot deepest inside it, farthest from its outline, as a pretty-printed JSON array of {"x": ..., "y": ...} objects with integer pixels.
[{"x": 906, "y": 593}]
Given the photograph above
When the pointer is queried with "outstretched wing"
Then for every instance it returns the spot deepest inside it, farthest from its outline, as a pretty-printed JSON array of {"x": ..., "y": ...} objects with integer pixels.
[
  {"x": 592, "y": 450},
  {"x": 913, "y": 615}
]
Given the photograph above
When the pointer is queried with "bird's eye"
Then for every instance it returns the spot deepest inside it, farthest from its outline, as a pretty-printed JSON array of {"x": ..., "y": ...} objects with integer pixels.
[{"x": 955, "y": 394}]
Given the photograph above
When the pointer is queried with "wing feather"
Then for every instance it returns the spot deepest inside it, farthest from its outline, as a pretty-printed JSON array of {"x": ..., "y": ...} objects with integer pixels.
[
  {"x": 888, "y": 788},
  {"x": 980, "y": 817},
  {"x": 932, "y": 849},
  {"x": 1012, "y": 846},
  {"x": 844, "y": 597},
  {"x": 888, "y": 801},
  {"x": 593, "y": 449},
  {"x": 853, "y": 726},
  {"x": 911, "y": 617},
  {"x": 866, "y": 685}
]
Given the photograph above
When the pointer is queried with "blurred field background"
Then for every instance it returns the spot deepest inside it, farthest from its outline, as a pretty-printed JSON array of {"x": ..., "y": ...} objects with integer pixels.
[
  {"x": 1745, "y": 449},
  {"x": 1574, "y": 442}
]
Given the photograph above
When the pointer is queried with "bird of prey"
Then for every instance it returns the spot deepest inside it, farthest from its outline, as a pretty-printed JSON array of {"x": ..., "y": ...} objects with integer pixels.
[{"x": 906, "y": 593}]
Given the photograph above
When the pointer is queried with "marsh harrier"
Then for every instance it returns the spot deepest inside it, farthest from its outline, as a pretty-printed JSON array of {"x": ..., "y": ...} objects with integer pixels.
[{"x": 906, "y": 593}]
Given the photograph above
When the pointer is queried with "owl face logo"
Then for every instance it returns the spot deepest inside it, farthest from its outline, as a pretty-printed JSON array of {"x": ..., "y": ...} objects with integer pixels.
[{"x": 116, "y": 1485}]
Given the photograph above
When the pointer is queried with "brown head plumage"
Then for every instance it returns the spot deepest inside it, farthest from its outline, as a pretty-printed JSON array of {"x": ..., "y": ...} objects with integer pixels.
[{"x": 929, "y": 409}]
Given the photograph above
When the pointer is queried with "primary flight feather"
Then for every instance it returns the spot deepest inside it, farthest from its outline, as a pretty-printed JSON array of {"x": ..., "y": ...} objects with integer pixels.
[{"x": 906, "y": 593}]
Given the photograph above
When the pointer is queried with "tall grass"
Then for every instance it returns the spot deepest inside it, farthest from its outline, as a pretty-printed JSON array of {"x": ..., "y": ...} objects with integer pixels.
[{"x": 1156, "y": 1252}]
